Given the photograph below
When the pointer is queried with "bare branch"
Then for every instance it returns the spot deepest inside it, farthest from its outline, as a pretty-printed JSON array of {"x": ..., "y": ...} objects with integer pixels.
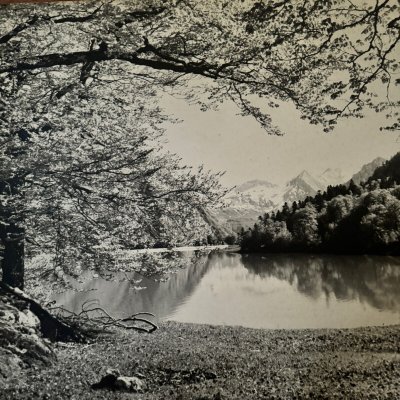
[{"x": 19, "y": 28}]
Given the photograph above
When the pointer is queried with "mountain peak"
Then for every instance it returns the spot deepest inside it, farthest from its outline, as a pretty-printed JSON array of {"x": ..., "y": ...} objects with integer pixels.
[
  {"x": 332, "y": 176},
  {"x": 304, "y": 174},
  {"x": 378, "y": 160},
  {"x": 307, "y": 178},
  {"x": 301, "y": 186}
]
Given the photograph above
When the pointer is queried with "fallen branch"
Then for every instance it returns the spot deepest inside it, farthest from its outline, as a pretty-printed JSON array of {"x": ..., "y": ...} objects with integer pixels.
[
  {"x": 94, "y": 318},
  {"x": 60, "y": 324}
]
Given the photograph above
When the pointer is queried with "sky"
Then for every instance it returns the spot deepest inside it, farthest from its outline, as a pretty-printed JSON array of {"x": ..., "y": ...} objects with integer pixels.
[{"x": 224, "y": 141}]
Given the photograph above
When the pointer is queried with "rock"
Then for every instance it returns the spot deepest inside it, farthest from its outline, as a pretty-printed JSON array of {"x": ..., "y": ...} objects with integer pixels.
[
  {"x": 28, "y": 319},
  {"x": 130, "y": 383},
  {"x": 106, "y": 382},
  {"x": 20, "y": 342},
  {"x": 114, "y": 372},
  {"x": 114, "y": 381}
]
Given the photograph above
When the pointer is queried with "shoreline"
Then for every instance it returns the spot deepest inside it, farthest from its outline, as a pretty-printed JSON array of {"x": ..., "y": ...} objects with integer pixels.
[
  {"x": 174, "y": 249},
  {"x": 190, "y": 361}
]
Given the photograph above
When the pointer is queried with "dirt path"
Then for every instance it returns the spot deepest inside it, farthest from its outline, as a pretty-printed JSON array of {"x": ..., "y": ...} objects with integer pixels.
[{"x": 184, "y": 361}]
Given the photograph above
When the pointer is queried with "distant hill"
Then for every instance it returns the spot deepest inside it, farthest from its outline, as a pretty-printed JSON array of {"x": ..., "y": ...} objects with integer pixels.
[
  {"x": 367, "y": 170},
  {"x": 389, "y": 171},
  {"x": 256, "y": 183},
  {"x": 245, "y": 203}
]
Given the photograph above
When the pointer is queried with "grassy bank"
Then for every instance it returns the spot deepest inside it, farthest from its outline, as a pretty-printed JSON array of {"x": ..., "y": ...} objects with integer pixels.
[{"x": 184, "y": 361}]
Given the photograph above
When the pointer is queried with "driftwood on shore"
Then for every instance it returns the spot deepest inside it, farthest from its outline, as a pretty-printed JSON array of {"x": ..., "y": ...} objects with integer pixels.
[
  {"x": 98, "y": 318},
  {"x": 66, "y": 326}
]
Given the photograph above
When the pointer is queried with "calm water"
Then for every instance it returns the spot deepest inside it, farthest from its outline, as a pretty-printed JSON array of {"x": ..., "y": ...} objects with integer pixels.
[{"x": 272, "y": 291}]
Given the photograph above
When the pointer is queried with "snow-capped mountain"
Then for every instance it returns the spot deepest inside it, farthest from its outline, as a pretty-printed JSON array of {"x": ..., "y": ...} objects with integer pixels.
[
  {"x": 245, "y": 203},
  {"x": 258, "y": 193},
  {"x": 301, "y": 186}
]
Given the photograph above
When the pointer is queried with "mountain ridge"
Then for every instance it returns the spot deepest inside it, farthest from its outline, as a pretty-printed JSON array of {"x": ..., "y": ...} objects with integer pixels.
[
  {"x": 367, "y": 170},
  {"x": 250, "y": 199}
]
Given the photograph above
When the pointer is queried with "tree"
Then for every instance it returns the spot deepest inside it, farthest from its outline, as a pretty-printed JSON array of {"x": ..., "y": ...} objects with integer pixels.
[
  {"x": 326, "y": 57},
  {"x": 305, "y": 225},
  {"x": 339, "y": 207},
  {"x": 78, "y": 80},
  {"x": 90, "y": 177},
  {"x": 355, "y": 189},
  {"x": 230, "y": 239},
  {"x": 277, "y": 236},
  {"x": 285, "y": 210},
  {"x": 382, "y": 219}
]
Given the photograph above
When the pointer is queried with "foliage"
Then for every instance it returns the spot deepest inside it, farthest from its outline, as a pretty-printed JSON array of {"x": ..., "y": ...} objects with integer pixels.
[
  {"x": 230, "y": 239},
  {"x": 86, "y": 172},
  {"x": 331, "y": 59},
  {"x": 81, "y": 166},
  {"x": 339, "y": 220},
  {"x": 389, "y": 173}
]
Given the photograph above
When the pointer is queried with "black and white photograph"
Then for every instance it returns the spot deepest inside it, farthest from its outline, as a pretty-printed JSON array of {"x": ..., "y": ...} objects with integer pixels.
[{"x": 199, "y": 199}]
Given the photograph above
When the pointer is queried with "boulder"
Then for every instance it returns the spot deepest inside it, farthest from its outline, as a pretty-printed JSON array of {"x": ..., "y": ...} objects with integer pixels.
[
  {"x": 130, "y": 383},
  {"x": 21, "y": 344},
  {"x": 113, "y": 380}
]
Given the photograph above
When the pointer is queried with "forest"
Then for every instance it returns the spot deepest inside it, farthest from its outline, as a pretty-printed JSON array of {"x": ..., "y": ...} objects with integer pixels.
[{"x": 348, "y": 218}]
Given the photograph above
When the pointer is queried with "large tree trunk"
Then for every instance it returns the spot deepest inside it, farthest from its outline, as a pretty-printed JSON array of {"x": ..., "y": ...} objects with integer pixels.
[
  {"x": 12, "y": 236},
  {"x": 13, "y": 256}
]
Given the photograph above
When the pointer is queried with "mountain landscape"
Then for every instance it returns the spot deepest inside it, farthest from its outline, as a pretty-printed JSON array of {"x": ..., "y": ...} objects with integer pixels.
[
  {"x": 246, "y": 202},
  {"x": 343, "y": 219},
  {"x": 367, "y": 170}
]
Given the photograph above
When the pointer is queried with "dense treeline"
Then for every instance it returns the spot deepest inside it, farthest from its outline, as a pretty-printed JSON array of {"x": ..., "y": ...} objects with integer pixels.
[{"x": 347, "y": 218}]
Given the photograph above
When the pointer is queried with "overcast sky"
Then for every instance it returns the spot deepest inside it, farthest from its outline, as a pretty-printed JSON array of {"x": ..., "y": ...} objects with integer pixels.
[{"x": 224, "y": 141}]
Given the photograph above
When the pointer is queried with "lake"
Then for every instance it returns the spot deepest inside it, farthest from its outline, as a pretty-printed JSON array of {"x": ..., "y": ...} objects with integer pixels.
[{"x": 258, "y": 291}]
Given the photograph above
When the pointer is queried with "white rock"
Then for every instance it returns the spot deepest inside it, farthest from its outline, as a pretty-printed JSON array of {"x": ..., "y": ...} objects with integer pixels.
[
  {"x": 29, "y": 319},
  {"x": 131, "y": 383}
]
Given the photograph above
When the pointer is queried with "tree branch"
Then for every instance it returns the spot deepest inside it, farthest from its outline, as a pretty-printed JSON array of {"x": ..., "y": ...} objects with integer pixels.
[{"x": 19, "y": 28}]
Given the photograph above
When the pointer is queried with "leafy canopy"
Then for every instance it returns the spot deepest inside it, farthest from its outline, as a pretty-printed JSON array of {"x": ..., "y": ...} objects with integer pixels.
[{"x": 331, "y": 58}]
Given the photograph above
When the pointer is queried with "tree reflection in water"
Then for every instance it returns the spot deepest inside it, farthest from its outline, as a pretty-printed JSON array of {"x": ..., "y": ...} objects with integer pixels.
[
  {"x": 153, "y": 294},
  {"x": 371, "y": 279},
  {"x": 263, "y": 291}
]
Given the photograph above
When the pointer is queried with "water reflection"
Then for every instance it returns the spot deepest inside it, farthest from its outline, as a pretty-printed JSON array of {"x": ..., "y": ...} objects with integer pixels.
[
  {"x": 121, "y": 297},
  {"x": 274, "y": 291},
  {"x": 374, "y": 280}
]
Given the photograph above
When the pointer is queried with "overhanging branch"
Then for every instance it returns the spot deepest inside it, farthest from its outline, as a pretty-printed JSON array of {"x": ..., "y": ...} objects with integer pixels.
[{"x": 101, "y": 55}]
